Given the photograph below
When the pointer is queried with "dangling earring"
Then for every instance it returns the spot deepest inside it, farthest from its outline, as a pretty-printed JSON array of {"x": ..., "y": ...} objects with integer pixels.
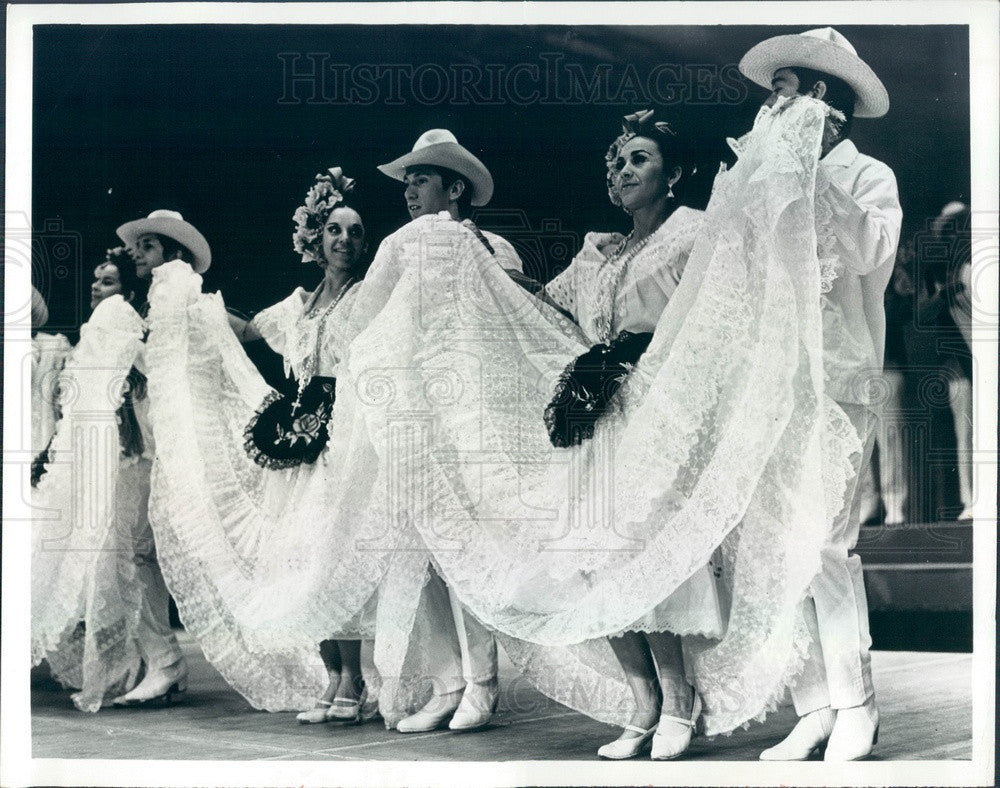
[{"x": 670, "y": 192}]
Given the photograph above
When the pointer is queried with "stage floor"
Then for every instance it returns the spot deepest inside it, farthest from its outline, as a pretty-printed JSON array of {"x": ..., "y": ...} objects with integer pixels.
[{"x": 924, "y": 699}]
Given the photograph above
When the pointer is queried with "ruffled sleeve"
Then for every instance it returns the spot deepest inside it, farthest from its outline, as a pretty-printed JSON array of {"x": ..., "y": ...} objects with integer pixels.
[{"x": 276, "y": 324}]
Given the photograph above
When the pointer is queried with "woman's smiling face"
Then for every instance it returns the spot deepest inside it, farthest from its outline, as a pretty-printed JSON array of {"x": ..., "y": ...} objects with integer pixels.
[
  {"x": 343, "y": 238},
  {"x": 640, "y": 176}
]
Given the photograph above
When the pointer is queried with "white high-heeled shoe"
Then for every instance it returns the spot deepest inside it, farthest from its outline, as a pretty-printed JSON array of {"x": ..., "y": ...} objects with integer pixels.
[
  {"x": 673, "y": 734},
  {"x": 478, "y": 705},
  {"x": 621, "y": 749},
  {"x": 855, "y": 733},
  {"x": 811, "y": 731}
]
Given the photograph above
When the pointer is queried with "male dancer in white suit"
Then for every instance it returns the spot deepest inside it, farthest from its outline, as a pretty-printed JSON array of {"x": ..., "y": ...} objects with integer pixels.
[
  {"x": 834, "y": 697},
  {"x": 441, "y": 176}
]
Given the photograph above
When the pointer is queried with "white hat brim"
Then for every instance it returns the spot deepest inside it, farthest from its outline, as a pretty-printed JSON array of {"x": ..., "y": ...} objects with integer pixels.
[
  {"x": 181, "y": 231},
  {"x": 760, "y": 63},
  {"x": 452, "y": 156}
]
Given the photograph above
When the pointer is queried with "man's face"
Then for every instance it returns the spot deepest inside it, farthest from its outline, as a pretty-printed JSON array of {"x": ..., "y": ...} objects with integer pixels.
[
  {"x": 784, "y": 82},
  {"x": 148, "y": 254},
  {"x": 425, "y": 193}
]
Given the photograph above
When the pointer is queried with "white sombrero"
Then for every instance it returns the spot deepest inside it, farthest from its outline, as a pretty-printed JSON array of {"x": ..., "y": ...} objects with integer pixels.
[
  {"x": 172, "y": 225},
  {"x": 823, "y": 49},
  {"x": 439, "y": 147}
]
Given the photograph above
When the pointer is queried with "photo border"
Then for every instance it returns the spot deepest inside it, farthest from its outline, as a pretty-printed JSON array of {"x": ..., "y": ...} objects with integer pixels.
[{"x": 982, "y": 18}]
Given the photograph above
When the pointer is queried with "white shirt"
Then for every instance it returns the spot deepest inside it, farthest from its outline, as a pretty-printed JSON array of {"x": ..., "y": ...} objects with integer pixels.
[{"x": 858, "y": 220}]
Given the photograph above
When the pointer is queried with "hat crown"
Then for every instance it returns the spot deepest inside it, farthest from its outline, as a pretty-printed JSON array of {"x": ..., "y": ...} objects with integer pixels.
[
  {"x": 163, "y": 213},
  {"x": 434, "y": 137},
  {"x": 831, "y": 36}
]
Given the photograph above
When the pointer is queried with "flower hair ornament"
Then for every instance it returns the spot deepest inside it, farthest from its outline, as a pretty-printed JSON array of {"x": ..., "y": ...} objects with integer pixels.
[
  {"x": 638, "y": 124},
  {"x": 117, "y": 253},
  {"x": 326, "y": 194}
]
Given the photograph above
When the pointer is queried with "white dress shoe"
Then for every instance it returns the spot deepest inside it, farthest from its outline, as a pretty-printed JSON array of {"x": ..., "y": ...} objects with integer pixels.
[
  {"x": 314, "y": 715},
  {"x": 811, "y": 731},
  {"x": 479, "y": 703},
  {"x": 673, "y": 734},
  {"x": 344, "y": 710},
  {"x": 163, "y": 685},
  {"x": 855, "y": 733},
  {"x": 438, "y": 710},
  {"x": 623, "y": 748}
]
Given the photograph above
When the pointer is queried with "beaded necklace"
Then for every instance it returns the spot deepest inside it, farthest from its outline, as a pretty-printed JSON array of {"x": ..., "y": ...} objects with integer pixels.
[
  {"x": 311, "y": 361},
  {"x": 618, "y": 264}
]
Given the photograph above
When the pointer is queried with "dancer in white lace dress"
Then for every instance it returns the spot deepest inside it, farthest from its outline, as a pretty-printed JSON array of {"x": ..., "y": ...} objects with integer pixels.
[
  {"x": 330, "y": 233},
  {"x": 246, "y": 485},
  {"x": 721, "y": 436},
  {"x": 617, "y": 288},
  {"x": 89, "y": 604}
]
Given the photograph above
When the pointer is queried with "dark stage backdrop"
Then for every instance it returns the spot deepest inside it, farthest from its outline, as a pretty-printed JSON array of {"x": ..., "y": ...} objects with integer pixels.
[{"x": 229, "y": 124}]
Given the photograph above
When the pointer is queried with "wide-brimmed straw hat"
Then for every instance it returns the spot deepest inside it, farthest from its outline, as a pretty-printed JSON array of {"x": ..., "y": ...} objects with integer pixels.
[
  {"x": 438, "y": 147},
  {"x": 172, "y": 225},
  {"x": 823, "y": 49}
]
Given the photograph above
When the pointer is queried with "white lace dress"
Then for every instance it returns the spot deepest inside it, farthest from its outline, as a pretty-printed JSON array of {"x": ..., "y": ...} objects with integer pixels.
[
  {"x": 85, "y": 597},
  {"x": 630, "y": 295},
  {"x": 233, "y": 537},
  {"x": 723, "y": 438}
]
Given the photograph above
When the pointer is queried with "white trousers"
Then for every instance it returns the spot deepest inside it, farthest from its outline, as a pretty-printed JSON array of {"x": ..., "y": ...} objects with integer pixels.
[
  {"x": 156, "y": 639},
  {"x": 469, "y": 658},
  {"x": 838, "y": 668}
]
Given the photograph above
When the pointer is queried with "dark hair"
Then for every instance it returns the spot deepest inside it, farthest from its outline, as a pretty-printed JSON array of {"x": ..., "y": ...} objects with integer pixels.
[
  {"x": 448, "y": 177},
  {"x": 839, "y": 94},
  {"x": 171, "y": 247},
  {"x": 127, "y": 276}
]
